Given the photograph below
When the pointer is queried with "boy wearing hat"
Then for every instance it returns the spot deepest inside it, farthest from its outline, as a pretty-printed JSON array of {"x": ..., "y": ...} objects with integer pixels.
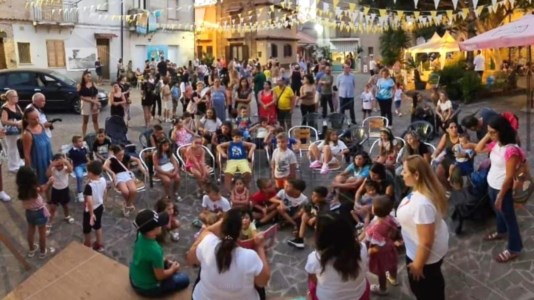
[{"x": 151, "y": 275}]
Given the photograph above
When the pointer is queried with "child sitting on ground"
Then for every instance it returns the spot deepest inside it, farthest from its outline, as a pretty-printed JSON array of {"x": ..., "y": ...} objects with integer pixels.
[
  {"x": 310, "y": 212},
  {"x": 248, "y": 231},
  {"x": 463, "y": 153},
  {"x": 78, "y": 155},
  {"x": 362, "y": 203},
  {"x": 262, "y": 209},
  {"x": 36, "y": 213},
  {"x": 289, "y": 200},
  {"x": 240, "y": 195},
  {"x": 59, "y": 169},
  {"x": 380, "y": 237},
  {"x": 213, "y": 204},
  {"x": 165, "y": 205},
  {"x": 101, "y": 145},
  {"x": 94, "y": 194}
]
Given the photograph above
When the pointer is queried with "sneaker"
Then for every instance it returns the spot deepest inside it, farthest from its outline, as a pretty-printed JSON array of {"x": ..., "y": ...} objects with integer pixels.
[
  {"x": 97, "y": 247},
  {"x": 4, "y": 196},
  {"x": 297, "y": 243},
  {"x": 400, "y": 114},
  {"x": 324, "y": 169},
  {"x": 392, "y": 280},
  {"x": 316, "y": 164},
  {"x": 43, "y": 255},
  {"x": 69, "y": 219},
  {"x": 375, "y": 289},
  {"x": 48, "y": 229},
  {"x": 80, "y": 197},
  {"x": 31, "y": 253},
  {"x": 179, "y": 199}
]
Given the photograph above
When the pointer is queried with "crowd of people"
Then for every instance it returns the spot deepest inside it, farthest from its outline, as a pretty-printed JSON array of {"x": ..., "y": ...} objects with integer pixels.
[{"x": 360, "y": 222}]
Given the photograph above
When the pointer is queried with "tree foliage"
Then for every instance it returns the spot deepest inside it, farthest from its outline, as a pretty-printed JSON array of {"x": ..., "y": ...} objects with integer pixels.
[{"x": 392, "y": 42}]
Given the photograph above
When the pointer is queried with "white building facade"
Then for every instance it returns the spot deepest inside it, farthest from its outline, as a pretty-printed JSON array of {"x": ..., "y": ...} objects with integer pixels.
[{"x": 69, "y": 36}]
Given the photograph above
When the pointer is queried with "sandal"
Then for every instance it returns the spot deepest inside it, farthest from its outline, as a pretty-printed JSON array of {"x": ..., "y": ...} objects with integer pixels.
[
  {"x": 69, "y": 219},
  {"x": 494, "y": 236},
  {"x": 392, "y": 280},
  {"x": 31, "y": 253},
  {"x": 48, "y": 229},
  {"x": 375, "y": 289},
  {"x": 506, "y": 256}
]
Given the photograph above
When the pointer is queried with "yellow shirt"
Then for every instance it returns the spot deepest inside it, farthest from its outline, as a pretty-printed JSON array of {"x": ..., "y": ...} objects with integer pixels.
[
  {"x": 284, "y": 97},
  {"x": 267, "y": 74}
]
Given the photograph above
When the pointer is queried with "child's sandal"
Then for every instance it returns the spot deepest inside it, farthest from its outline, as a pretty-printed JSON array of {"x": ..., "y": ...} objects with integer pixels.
[
  {"x": 48, "y": 229},
  {"x": 506, "y": 256},
  {"x": 494, "y": 236},
  {"x": 69, "y": 219}
]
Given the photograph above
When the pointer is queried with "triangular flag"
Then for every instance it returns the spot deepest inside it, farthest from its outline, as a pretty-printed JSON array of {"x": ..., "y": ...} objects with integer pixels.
[
  {"x": 366, "y": 9},
  {"x": 449, "y": 15},
  {"x": 336, "y": 3},
  {"x": 475, "y": 3},
  {"x": 454, "y": 4},
  {"x": 400, "y": 14},
  {"x": 382, "y": 12},
  {"x": 512, "y": 3},
  {"x": 493, "y": 2},
  {"x": 465, "y": 12},
  {"x": 417, "y": 14},
  {"x": 436, "y": 3},
  {"x": 352, "y": 7},
  {"x": 415, "y": 2},
  {"x": 433, "y": 13},
  {"x": 326, "y": 6}
]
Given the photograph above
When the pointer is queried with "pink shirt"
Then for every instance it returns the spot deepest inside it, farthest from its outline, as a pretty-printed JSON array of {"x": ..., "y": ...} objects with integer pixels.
[{"x": 36, "y": 204}]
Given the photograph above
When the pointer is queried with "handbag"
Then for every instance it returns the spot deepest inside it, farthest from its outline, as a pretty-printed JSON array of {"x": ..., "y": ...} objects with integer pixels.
[
  {"x": 12, "y": 129},
  {"x": 523, "y": 186},
  {"x": 191, "y": 107}
]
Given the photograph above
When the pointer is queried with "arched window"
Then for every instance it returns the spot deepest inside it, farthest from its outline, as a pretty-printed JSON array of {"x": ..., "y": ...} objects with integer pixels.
[{"x": 274, "y": 50}]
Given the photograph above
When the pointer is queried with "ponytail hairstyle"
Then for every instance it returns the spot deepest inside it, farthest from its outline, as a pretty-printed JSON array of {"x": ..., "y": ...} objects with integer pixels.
[
  {"x": 230, "y": 230},
  {"x": 5, "y": 96}
]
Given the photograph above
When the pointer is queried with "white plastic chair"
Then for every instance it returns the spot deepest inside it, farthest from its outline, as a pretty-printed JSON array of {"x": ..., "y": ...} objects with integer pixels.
[
  {"x": 330, "y": 168},
  {"x": 303, "y": 132},
  {"x": 374, "y": 146},
  {"x": 181, "y": 159},
  {"x": 372, "y": 126}
]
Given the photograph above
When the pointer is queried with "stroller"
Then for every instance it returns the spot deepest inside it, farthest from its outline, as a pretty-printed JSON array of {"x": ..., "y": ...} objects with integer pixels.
[
  {"x": 353, "y": 137},
  {"x": 472, "y": 201},
  {"x": 117, "y": 131}
]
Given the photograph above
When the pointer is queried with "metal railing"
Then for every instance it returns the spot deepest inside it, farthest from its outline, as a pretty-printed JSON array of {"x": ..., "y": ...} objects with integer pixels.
[{"x": 56, "y": 13}]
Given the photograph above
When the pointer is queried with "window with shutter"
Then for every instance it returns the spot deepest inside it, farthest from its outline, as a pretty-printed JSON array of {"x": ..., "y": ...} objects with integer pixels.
[
  {"x": 288, "y": 51},
  {"x": 55, "y": 51},
  {"x": 25, "y": 56},
  {"x": 274, "y": 51}
]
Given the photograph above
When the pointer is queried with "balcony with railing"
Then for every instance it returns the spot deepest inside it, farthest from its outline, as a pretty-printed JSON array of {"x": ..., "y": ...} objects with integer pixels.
[{"x": 65, "y": 14}]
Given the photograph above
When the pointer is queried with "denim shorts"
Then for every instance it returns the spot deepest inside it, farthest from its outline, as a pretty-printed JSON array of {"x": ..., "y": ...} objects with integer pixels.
[{"x": 36, "y": 217}]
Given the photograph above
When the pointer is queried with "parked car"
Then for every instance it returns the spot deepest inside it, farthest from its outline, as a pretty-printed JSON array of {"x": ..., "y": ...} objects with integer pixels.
[{"x": 59, "y": 89}]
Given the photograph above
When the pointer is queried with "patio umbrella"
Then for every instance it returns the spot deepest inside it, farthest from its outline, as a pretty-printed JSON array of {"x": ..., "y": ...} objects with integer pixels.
[{"x": 514, "y": 34}]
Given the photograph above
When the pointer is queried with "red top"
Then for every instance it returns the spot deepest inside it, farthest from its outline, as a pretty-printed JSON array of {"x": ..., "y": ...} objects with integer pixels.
[{"x": 260, "y": 198}]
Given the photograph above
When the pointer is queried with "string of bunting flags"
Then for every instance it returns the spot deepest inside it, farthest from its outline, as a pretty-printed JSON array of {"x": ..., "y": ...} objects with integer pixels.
[{"x": 345, "y": 16}]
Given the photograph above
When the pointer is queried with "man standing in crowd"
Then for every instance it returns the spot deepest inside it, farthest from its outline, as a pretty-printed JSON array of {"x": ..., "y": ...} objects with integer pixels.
[
  {"x": 326, "y": 82},
  {"x": 480, "y": 63},
  {"x": 38, "y": 102},
  {"x": 346, "y": 84},
  {"x": 162, "y": 67}
]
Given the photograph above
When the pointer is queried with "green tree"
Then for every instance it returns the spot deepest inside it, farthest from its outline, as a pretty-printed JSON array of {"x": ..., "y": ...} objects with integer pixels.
[{"x": 392, "y": 42}]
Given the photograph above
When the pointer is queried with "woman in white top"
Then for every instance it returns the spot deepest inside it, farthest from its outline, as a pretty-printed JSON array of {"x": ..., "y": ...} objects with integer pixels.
[
  {"x": 337, "y": 267},
  {"x": 425, "y": 233},
  {"x": 228, "y": 271},
  {"x": 328, "y": 153},
  {"x": 505, "y": 156},
  {"x": 444, "y": 110}
]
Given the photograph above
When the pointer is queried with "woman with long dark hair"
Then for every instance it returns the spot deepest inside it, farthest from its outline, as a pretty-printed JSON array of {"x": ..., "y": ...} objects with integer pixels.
[
  {"x": 243, "y": 95},
  {"x": 228, "y": 271},
  {"x": 506, "y": 157},
  {"x": 338, "y": 265},
  {"x": 88, "y": 101},
  {"x": 307, "y": 96}
]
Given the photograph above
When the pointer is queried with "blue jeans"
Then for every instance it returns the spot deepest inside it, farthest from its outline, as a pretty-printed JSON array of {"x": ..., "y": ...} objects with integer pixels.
[
  {"x": 506, "y": 220},
  {"x": 78, "y": 171},
  {"x": 347, "y": 103},
  {"x": 177, "y": 282}
]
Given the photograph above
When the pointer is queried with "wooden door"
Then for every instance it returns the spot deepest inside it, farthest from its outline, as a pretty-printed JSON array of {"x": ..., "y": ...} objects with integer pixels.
[
  {"x": 3, "y": 64},
  {"x": 102, "y": 46}
]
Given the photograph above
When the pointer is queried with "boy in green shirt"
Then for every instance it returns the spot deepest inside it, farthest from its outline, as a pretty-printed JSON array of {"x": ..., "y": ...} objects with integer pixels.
[{"x": 151, "y": 275}]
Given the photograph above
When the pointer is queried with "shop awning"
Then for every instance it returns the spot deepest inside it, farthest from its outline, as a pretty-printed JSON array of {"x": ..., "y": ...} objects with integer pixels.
[
  {"x": 107, "y": 36},
  {"x": 344, "y": 45}
]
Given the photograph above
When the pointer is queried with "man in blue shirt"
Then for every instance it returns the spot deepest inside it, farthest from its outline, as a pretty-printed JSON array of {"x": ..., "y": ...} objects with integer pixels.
[{"x": 346, "y": 84}]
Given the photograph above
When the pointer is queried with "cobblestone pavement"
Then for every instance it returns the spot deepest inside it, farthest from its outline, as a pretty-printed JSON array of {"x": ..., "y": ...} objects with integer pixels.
[{"x": 469, "y": 268}]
